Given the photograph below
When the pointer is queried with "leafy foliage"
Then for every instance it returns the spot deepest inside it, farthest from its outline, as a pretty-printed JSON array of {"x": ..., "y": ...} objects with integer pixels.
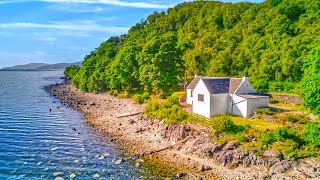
[
  {"x": 170, "y": 113},
  {"x": 71, "y": 71},
  {"x": 224, "y": 124},
  {"x": 268, "y": 41},
  {"x": 311, "y": 134},
  {"x": 310, "y": 85}
]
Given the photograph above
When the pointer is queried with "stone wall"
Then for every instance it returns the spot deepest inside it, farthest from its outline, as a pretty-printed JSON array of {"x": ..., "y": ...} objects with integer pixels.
[{"x": 287, "y": 98}]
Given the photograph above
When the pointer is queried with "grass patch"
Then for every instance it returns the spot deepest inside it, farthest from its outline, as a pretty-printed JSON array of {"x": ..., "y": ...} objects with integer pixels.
[
  {"x": 257, "y": 124},
  {"x": 290, "y": 107}
]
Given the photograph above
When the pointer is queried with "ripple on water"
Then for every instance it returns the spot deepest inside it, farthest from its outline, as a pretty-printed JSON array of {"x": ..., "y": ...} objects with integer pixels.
[{"x": 35, "y": 143}]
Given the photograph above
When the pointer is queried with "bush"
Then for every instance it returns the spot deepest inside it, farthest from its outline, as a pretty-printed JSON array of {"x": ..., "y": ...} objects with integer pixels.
[
  {"x": 173, "y": 100},
  {"x": 167, "y": 112},
  {"x": 138, "y": 99},
  {"x": 266, "y": 139},
  {"x": 311, "y": 134},
  {"x": 241, "y": 137},
  {"x": 151, "y": 108},
  {"x": 123, "y": 95},
  {"x": 141, "y": 98},
  {"x": 284, "y": 134},
  {"x": 179, "y": 94},
  {"x": 223, "y": 124},
  {"x": 261, "y": 111},
  {"x": 114, "y": 92}
]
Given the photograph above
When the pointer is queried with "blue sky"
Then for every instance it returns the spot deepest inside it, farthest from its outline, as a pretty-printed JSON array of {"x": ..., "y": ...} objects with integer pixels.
[{"x": 54, "y": 31}]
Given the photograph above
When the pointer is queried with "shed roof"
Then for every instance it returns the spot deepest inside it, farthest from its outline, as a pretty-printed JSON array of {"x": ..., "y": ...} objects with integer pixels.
[{"x": 254, "y": 96}]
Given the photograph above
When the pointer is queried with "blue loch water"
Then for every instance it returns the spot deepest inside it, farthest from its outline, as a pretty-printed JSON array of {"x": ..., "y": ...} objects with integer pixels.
[{"x": 38, "y": 144}]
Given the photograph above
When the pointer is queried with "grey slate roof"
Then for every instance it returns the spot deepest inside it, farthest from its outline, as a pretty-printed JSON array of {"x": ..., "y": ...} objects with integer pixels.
[{"x": 217, "y": 85}]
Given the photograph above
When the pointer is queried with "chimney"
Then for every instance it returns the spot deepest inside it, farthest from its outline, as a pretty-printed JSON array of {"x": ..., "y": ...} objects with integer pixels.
[{"x": 245, "y": 77}]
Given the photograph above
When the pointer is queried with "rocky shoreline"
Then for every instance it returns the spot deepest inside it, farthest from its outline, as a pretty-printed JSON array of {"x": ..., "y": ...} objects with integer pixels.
[{"x": 186, "y": 145}]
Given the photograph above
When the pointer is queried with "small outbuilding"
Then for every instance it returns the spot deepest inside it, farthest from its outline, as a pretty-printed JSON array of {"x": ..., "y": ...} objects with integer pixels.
[{"x": 211, "y": 96}]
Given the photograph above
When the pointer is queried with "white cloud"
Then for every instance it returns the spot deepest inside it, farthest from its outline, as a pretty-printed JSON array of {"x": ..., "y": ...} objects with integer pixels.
[
  {"x": 81, "y": 26},
  {"x": 107, "y": 2},
  {"x": 76, "y": 8}
]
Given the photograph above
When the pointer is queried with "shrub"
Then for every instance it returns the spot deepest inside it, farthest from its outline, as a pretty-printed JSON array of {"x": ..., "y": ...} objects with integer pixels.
[
  {"x": 284, "y": 134},
  {"x": 123, "y": 95},
  {"x": 265, "y": 139},
  {"x": 138, "y": 99},
  {"x": 241, "y": 137},
  {"x": 263, "y": 111},
  {"x": 141, "y": 98},
  {"x": 179, "y": 94},
  {"x": 173, "y": 100},
  {"x": 152, "y": 106},
  {"x": 114, "y": 92},
  {"x": 167, "y": 112},
  {"x": 311, "y": 134},
  {"x": 223, "y": 124}
]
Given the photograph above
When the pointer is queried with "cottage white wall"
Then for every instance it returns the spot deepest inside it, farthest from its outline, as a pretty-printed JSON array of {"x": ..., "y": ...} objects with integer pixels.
[
  {"x": 201, "y": 108},
  {"x": 256, "y": 104},
  {"x": 237, "y": 105},
  {"x": 245, "y": 87},
  {"x": 189, "y": 97},
  {"x": 219, "y": 104}
]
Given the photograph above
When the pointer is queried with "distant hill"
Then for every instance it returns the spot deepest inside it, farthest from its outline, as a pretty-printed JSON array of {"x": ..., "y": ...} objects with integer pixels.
[
  {"x": 26, "y": 66},
  {"x": 58, "y": 66},
  {"x": 40, "y": 66}
]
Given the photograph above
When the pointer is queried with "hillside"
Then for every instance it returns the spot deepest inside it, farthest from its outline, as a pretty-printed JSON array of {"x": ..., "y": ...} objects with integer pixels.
[
  {"x": 58, "y": 66},
  {"x": 29, "y": 66},
  {"x": 268, "y": 41},
  {"x": 41, "y": 66}
]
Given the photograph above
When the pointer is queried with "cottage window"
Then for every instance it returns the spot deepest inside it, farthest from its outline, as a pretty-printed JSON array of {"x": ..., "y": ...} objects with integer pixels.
[
  {"x": 191, "y": 93},
  {"x": 201, "y": 97}
]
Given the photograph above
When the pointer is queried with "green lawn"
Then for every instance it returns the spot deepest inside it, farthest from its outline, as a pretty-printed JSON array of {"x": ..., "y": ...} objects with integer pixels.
[{"x": 257, "y": 124}]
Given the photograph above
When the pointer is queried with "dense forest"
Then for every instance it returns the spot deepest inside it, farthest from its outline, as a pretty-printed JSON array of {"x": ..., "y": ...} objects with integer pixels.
[{"x": 273, "y": 42}]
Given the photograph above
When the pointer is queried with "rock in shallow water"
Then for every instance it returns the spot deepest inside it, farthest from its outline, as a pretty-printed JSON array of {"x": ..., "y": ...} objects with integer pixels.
[
  {"x": 72, "y": 176},
  {"x": 58, "y": 178},
  {"x": 57, "y": 173},
  {"x": 96, "y": 175},
  {"x": 118, "y": 161}
]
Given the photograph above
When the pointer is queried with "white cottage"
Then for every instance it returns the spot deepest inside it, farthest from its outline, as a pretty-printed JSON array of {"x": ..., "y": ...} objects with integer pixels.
[{"x": 210, "y": 96}]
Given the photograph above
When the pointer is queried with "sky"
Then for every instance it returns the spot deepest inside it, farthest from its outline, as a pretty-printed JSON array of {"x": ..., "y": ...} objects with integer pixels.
[{"x": 54, "y": 31}]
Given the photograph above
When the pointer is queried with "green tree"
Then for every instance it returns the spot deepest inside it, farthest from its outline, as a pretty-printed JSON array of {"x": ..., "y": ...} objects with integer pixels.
[
  {"x": 310, "y": 84},
  {"x": 161, "y": 66}
]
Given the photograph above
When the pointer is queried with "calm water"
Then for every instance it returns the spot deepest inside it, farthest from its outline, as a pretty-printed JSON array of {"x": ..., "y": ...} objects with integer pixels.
[{"x": 38, "y": 144}]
